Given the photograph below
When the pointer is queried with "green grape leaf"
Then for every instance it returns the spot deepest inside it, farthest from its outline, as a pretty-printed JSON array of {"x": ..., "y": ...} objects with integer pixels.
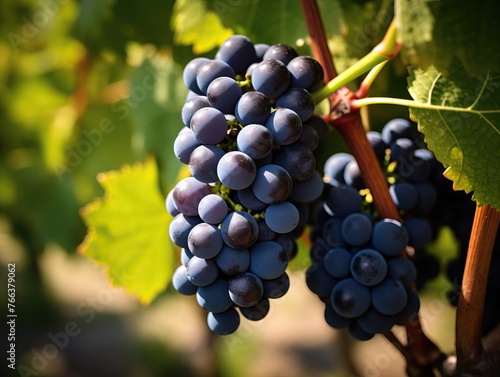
[
  {"x": 128, "y": 231},
  {"x": 462, "y": 128},
  {"x": 194, "y": 25},
  {"x": 438, "y": 32}
]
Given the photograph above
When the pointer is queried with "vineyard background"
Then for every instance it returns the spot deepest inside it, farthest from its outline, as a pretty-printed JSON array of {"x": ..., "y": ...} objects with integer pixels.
[{"x": 90, "y": 86}]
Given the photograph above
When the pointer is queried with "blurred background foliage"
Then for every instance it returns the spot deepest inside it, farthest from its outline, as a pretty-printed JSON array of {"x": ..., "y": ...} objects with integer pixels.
[{"x": 90, "y": 85}]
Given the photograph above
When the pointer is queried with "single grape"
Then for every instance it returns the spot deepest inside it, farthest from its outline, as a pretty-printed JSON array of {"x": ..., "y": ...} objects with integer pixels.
[
  {"x": 342, "y": 201},
  {"x": 239, "y": 52},
  {"x": 281, "y": 52},
  {"x": 309, "y": 190},
  {"x": 389, "y": 297},
  {"x": 334, "y": 319},
  {"x": 205, "y": 240},
  {"x": 297, "y": 159},
  {"x": 257, "y": 311},
  {"x": 268, "y": 260},
  {"x": 271, "y": 77},
  {"x": 214, "y": 297},
  {"x": 212, "y": 209},
  {"x": 375, "y": 322},
  {"x": 181, "y": 283},
  {"x": 272, "y": 184},
  {"x": 201, "y": 272},
  {"x": 252, "y": 108},
  {"x": 203, "y": 163},
  {"x": 231, "y": 261},
  {"x": 306, "y": 73},
  {"x": 209, "y": 125},
  {"x": 357, "y": 229},
  {"x": 210, "y": 70},
  {"x": 338, "y": 262},
  {"x": 419, "y": 232},
  {"x": 298, "y": 100},
  {"x": 309, "y": 137},
  {"x": 368, "y": 267},
  {"x": 255, "y": 140},
  {"x": 276, "y": 288},
  {"x": 236, "y": 170},
  {"x": 403, "y": 270},
  {"x": 245, "y": 289},
  {"x": 282, "y": 217},
  {"x": 350, "y": 299},
  {"x": 404, "y": 195},
  {"x": 223, "y": 93},
  {"x": 389, "y": 237},
  {"x": 239, "y": 230},
  {"x": 285, "y": 126},
  {"x": 224, "y": 323}
]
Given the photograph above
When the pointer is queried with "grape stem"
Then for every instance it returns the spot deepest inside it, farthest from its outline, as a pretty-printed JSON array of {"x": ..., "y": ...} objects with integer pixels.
[
  {"x": 471, "y": 357},
  {"x": 384, "y": 51},
  {"x": 358, "y": 103}
]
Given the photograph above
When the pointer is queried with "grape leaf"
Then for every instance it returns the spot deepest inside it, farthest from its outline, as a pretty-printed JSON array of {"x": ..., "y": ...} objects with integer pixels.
[
  {"x": 437, "y": 32},
  {"x": 128, "y": 231},
  {"x": 463, "y": 129},
  {"x": 194, "y": 25}
]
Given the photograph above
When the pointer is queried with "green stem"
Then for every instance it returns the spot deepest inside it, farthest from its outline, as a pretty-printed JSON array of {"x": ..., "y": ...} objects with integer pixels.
[
  {"x": 353, "y": 72},
  {"x": 384, "y": 51},
  {"x": 358, "y": 103},
  {"x": 369, "y": 79}
]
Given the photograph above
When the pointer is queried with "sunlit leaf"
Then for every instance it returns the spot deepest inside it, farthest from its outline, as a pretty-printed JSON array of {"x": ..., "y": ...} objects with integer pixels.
[
  {"x": 128, "y": 231},
  {"x": 464, "y": 130},
  {"x": 194, "y": 25}
]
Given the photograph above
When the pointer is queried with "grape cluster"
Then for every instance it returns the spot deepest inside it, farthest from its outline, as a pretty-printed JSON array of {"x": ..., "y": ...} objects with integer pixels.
[
  {"x": 248, "y": 143},
  {"x": 413, "y": 175},
  {"x": 357, "y": 270}
]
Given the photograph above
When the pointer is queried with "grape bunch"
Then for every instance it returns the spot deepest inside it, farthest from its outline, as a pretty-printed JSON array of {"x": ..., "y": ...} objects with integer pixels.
[
  {"x": 248, "y": 140},
  {"x": 413, "y": 175},
  {"x": 357, "y": 270}
]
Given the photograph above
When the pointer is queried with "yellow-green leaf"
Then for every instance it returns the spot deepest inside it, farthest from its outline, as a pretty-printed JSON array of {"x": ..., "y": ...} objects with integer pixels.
[
  {"x": 194, "y": 25},
  {"x": 128, "y": 231}
]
